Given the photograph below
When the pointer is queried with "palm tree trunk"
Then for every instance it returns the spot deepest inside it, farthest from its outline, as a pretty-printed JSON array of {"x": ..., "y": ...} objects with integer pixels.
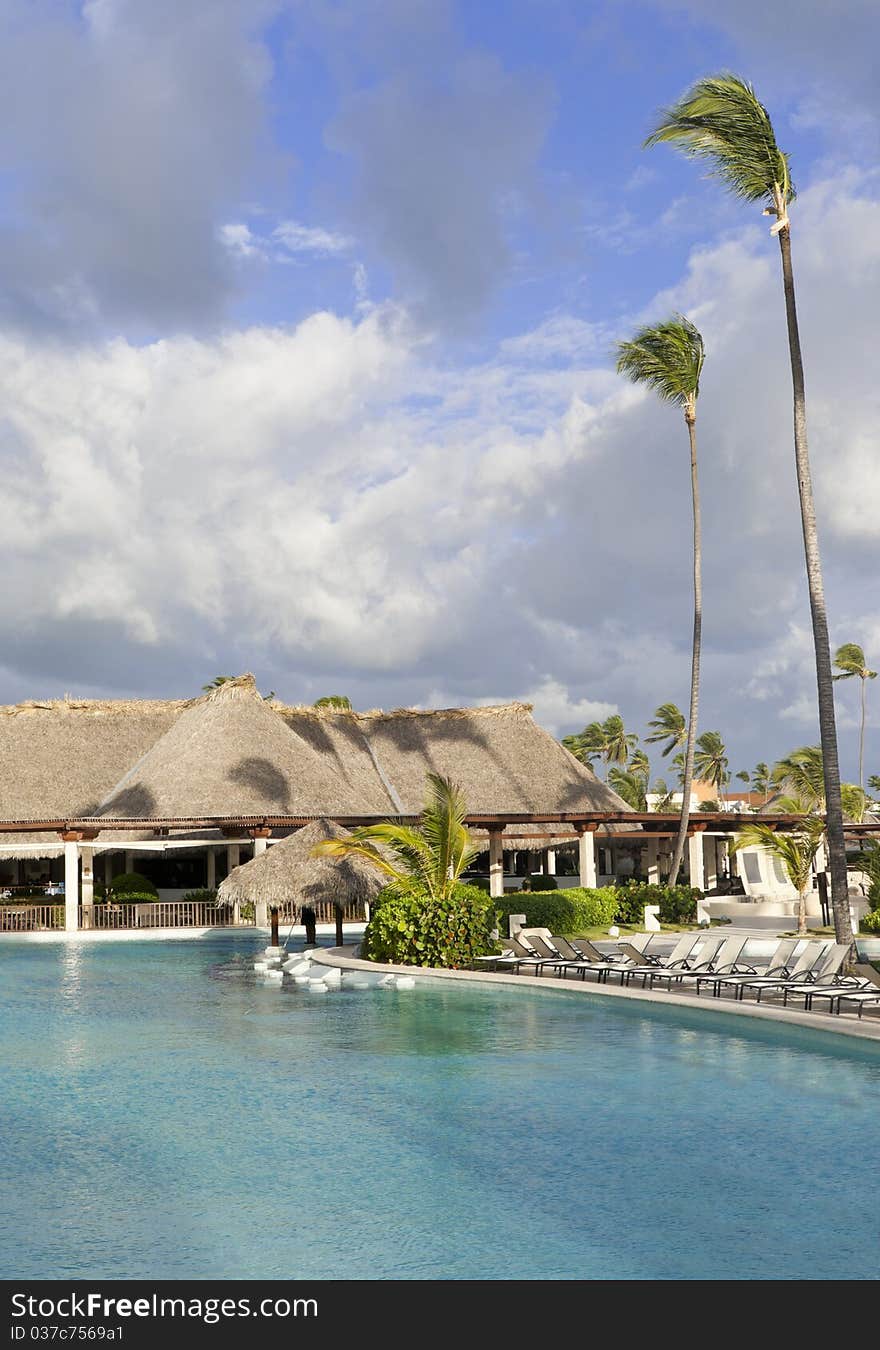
[
  {"x": 825, "y": 687},
  {"x": 695, "y": 660},
  {"x": 802, "y": 913},
  {"x": 862, "y": 738}
]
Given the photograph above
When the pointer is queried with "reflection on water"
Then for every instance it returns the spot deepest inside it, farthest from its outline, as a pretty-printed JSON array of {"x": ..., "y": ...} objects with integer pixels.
[{"x": 153, "y": 1089}]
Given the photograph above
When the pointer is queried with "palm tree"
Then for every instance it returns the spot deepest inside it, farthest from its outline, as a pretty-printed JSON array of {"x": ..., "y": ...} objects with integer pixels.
[
  {"x": 744, "y": 776},
  {"x": 874, "y": 782},
  {"x": 668, "y": 725},
  {"x": 797, "y": 848},
  {"x": 631, "y": 786},
  {"x": 720, "y": 119},
  {"x": 664, "y": 797},
  {"x": 608, "y": 740},
  {"x": 668, "y": 358},
  {"x": 710, "y": 762},
  {"x": 802, "y": 774},
  {"x": 333, "y": 701},
  {"x": 427, "y": 858},
  {"x": 850, "y": 661},
  {"x": 640, "y": 764},
  {"x": 761, "y": 779}
]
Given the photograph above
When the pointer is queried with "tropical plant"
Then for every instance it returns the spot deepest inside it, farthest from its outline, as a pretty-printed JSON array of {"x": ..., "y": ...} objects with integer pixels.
[
  {"x": 632, "y": 787},
  {"x": 868, "y": 860},
  {"x": 640, "y": 764},
  {"x": 850, "y": 661},
  {"x": 608, "y": 740},
  {"x": 219, "y": 680},
  {"x": 413, "y": 930},
  {"x": 761, "y": 779},
  {"x": 667, "y": 725},
  {"x": 132, "y": 883},
  {"x": 854, "y": 801},
  {"x": 797, "y": 848},
  {"x": 721, "y": 120},
  {"x": 744, "y": 777},
  {"x": 668, "y": 358},
  {"x": 333, "y": 701},
  {"x": 710, "y": 761},
  {"x": 573, "y": 911},
  {"x": 801, "y": 774},
  {"x": 874, "y": 782}
]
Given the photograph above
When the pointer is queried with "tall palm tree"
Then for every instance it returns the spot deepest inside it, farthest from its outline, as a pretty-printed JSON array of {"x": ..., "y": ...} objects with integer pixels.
[
  {"x": 710, "y": 762},
  {"x": 797, "y": 848},
  {"x": 668, "y": 358},
  {"x": 427, "y": 858},
  {"x": 640, "y": 764},
  {"x": 586, "y": 745},
  {"x": 850, "y": 661},
  {"x": 608, "y": 740},
  {"x": 802, "y": 774},
  {"x": 720, "y": 119},
  {"x": 667, "y": 725},
  {"x": 761, "y": 779}
]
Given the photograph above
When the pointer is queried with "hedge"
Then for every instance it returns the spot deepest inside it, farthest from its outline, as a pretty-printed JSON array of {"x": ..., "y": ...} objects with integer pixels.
[
  {"x": 415, "y": 930},
  {"x": 678, "y": 904},
  {"x": 133, "y": 881},
  {"x": 871, "y": 922},
  {"x": 570, "y": 911}
]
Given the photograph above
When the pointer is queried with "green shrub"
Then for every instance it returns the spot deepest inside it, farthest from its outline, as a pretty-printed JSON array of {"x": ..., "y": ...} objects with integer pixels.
[
  {"x": 570, "y": 911},
  {"x": 678, "y": 904},
  {"x": 248, "y": 910},
  {"x": 543, "y": 883},
  {"x": 413, "y": 930},
  {"x": 871, "y": 922},
  {"x": 131, "y": 898},
  {"x": 480, "y": 883},
  {"x": 201, "y": 896},
  {"x": 133, "y": 881}
]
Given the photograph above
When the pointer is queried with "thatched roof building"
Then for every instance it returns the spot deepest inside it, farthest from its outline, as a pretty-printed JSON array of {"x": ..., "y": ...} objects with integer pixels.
[
  {"x": 287, "y": 872},
  {"x": 231, "y": 753}
]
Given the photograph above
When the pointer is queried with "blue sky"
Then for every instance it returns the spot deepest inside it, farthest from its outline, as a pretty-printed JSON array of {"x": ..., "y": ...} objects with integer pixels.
[{"x": 307, "y": 311}]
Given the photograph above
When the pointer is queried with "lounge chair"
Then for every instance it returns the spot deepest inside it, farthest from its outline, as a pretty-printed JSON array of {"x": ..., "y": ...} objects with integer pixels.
[
  {"x": 689, "y": 948},
  {"x": 721, "y": 961},
  {"x": 827, "y": 981},
  {"x": 779, "y": 957},
  {"x": 805, "y": 968},
  {"x": 862, "y": 988}
]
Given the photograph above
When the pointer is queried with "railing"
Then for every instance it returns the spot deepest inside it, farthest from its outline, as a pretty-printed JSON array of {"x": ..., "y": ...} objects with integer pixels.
[{"x": 28, "y": 917}]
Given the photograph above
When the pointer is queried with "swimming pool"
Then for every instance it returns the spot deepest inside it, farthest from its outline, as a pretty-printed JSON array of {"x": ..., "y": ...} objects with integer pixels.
[{"x": 166, "y": 1116}]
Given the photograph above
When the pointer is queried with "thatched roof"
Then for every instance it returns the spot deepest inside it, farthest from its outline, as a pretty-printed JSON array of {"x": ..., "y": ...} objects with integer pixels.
[
  {"x": 232, "y": 753},
  {"x": 287, "y": 871}
]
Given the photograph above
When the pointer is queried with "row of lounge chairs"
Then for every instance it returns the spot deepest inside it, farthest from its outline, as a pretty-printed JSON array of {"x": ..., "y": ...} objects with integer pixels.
[{"x": 796, "y": 969}]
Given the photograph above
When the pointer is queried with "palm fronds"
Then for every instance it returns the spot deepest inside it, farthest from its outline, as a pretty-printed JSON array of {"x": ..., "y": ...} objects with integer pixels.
[
  {"x": 720, "y": 119},
  {"x": 668, "y": 724},
  {"x": 666, "y": 357}
]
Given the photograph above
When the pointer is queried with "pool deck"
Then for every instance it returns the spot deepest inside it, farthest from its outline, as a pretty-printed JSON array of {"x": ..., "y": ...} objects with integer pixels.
[{"x": 866, "y": 1028}]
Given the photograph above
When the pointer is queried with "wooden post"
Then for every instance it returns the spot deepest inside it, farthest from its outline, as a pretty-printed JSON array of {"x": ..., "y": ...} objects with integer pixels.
[
  {"x": 496, "y": 862},
  {"x": 340, "y": 936},
  {"x": 273, "y": 915}
]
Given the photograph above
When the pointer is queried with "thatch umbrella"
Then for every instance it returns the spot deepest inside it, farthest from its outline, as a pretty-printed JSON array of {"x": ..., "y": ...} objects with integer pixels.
[{"x": 287, "y": 871}]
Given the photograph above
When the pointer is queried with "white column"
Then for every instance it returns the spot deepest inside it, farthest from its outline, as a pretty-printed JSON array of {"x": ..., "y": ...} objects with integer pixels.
[
  {"x": 550, "y": 862},
  {"x": 652, "y": 862},
  {"x": 710, "y": 861},
  {"x": 88, "y": 886},
  {"x": 496, "y": 864},
  {"x": 129, "y": 860},
  {"x": 71, "y": 886},
  {"x": 587, "y": 859},
  {"x": 695, "y": 861},
  {"x": 211, "y": 873}
]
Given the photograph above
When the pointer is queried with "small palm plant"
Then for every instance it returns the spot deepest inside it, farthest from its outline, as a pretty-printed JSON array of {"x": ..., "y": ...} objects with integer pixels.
[
  {"x": 427, "y": 858},
  {"x": 721, "y": 120},
  {"x": 796, "y": 848},
  {"x": 668, "y": 359},
  {"x": 850, "y": 661}
]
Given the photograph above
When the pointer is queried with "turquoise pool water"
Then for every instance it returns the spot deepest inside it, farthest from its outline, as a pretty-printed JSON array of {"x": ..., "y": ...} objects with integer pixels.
[{"x": 166, "y": 1116}]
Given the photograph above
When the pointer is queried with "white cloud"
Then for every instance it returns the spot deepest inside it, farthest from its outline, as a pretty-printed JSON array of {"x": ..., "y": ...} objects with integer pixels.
[
  {"x": 296, "y": 238},
  {"x": 328, "y": 504}
]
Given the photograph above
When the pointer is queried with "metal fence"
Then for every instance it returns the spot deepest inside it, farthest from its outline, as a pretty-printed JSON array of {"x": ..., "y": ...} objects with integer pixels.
[{"x": 25, "y": 917}]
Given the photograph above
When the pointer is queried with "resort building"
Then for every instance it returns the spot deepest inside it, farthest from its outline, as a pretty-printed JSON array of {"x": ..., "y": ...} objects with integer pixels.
[{"x": 184, "y": 790}]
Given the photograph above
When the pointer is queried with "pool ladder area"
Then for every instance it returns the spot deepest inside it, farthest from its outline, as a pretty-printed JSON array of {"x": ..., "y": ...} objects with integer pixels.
[{"x": 276, "y": 967}]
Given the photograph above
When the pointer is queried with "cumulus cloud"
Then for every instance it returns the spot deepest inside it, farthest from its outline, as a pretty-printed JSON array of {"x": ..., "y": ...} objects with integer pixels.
[
  {"x": 441, "y": 164},
  {"x": 326, "y": 503},
  {"x": 126, "y": 131}
]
